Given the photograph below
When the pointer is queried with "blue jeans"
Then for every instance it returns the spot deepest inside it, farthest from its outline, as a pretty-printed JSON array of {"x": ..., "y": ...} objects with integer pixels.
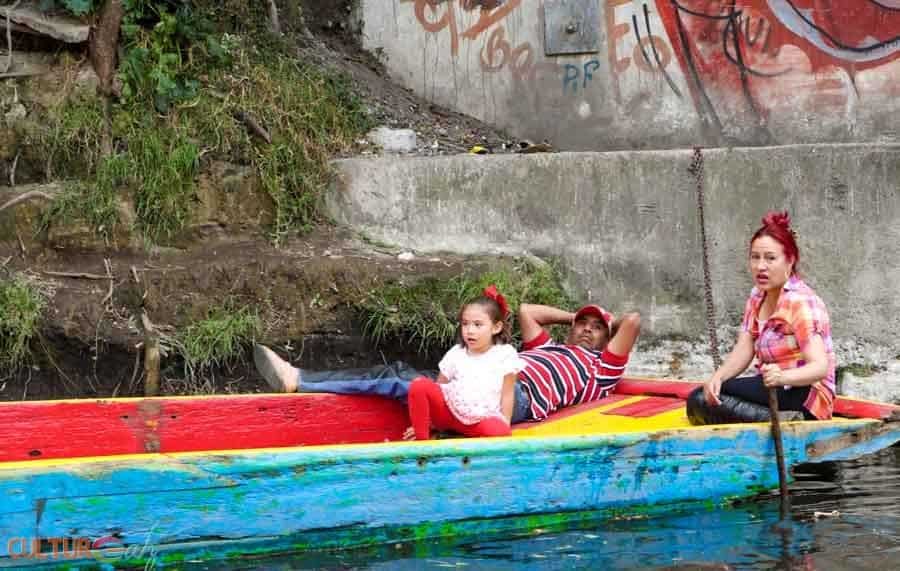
[
  {"x": 521, "y": 405},
  {"x": 390, "y": 381}
]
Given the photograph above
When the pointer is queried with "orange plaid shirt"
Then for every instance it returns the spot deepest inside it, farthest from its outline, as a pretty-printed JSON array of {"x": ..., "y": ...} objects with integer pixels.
[{"x": 799, "y": 315}]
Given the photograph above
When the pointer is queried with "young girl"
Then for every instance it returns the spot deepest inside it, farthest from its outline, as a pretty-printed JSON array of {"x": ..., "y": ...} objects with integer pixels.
[{"x": 474, "y": 390}]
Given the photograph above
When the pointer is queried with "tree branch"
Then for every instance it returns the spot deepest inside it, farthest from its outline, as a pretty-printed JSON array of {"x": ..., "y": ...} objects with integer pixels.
[{"x": 26, "y": 196}]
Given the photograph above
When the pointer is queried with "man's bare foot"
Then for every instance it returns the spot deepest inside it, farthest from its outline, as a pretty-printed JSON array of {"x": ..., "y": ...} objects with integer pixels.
[
  {"x": 281, "y": 375},
  {"x": 409, "y": 434}
]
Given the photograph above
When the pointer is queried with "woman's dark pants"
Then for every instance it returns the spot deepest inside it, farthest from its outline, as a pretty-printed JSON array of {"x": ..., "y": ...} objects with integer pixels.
[{"x": 744, "y": 399}]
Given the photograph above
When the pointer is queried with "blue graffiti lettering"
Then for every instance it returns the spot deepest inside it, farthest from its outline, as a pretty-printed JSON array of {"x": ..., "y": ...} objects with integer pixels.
[
  {"x": 589, "y": 67},
  {"x": 572, "y": 73},
  {"x": 570, "y": 76}
]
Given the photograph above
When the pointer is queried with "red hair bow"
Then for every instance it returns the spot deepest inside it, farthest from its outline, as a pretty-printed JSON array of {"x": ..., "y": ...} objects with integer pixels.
[{"x": 492, "y": 293}]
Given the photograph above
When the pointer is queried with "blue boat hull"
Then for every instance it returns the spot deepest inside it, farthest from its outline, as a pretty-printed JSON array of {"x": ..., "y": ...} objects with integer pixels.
[{"x": 162, "y": 508}]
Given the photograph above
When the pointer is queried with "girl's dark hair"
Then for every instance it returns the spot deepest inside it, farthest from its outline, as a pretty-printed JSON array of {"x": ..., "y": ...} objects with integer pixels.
[
  {"x": 777, "y": 225},
  {"x": 492, "y": 308}
]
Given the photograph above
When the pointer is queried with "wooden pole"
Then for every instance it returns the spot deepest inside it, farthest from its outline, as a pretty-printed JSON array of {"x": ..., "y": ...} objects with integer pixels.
[
  {"x": 151, "y": 358},
  {"x": 779, "y": 454}
]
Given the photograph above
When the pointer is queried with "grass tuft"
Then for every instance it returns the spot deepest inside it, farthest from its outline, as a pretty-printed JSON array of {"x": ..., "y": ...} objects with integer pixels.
[
  {"x": 425, "y": 314},
  {"x": 167, "y": 165},
  {"x": 66, "y": 139},
  {"x": 96, "y": 203},
  {"x": 219, "y": 339},
  {"x": 21, "y": 306}
]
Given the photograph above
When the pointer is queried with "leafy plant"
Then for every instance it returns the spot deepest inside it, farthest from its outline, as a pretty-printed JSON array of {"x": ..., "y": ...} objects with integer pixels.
[
  {"x": 159, "y": 164},
  {"x": 95, "y": 202},
  {"x": 310, "y": 113},
  {"x": 67, "y": 139},
  {"x": 161, "y": 43},
  {"x": 315, "y": 114}
]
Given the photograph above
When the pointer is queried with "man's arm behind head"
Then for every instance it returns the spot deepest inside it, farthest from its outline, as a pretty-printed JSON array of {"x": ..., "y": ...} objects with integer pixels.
[
  {"x": 624, "y": 332},
  {"x": 534, "y": 318}
]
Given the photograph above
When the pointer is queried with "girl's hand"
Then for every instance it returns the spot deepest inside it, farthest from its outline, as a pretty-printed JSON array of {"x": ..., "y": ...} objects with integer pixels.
[
  {"x": 773, "y": 376},
  {"x": 409, "y": 434},
  {"x": 711, "y": 390}
]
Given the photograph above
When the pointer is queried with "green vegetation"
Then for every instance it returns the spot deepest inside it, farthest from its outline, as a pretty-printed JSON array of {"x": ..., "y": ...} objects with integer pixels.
[
  {"x": 163, "y": 195},
  {"x": 426, "y": 313},
  {"x": 219, "y": 339},
  {"x": 20, "y": 314},
  {"x": 69, "y": 138},
  {"x": 159, "y": 165},
  {"x": 190, "y": 92},
  {"x": 311, "y": 116}
]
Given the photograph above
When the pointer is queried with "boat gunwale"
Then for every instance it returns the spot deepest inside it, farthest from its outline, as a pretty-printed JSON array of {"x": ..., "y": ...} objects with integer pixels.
[{"x": 454, "y": 447}]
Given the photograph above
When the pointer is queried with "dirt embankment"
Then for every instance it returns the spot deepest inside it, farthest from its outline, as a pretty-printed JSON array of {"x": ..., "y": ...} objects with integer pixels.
[
  {"x": 304, "y": 294},
  {"x": 333, "y": 42},
  {"x": 96, "y": 290}
]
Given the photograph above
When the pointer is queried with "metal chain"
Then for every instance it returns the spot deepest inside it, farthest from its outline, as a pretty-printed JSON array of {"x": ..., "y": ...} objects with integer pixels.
[{"x": 696, "y": 170}]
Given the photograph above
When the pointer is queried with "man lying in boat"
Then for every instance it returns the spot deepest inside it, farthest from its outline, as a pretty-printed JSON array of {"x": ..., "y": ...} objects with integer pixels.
[{"x": 586, "y": 367}]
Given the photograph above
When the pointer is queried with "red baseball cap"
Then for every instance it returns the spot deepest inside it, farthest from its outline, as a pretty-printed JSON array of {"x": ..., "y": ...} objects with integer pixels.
[{"x": 596, "y": 311}]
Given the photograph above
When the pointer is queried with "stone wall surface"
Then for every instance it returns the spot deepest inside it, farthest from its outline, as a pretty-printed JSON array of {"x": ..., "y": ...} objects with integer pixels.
[{"x": 625, "y": 225}]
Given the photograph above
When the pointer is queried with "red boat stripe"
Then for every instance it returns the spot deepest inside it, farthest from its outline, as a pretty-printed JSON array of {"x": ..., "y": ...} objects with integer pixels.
[
  {"x": 649, "y": 406},
  {"x": 63, "y": 429}
]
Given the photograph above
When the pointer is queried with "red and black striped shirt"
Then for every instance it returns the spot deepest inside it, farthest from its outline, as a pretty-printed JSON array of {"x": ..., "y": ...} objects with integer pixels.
[{"x": 557, "y": 376}]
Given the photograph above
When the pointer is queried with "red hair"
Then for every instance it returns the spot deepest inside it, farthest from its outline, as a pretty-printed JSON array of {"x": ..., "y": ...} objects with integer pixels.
[{"x": 777, "y": 225}]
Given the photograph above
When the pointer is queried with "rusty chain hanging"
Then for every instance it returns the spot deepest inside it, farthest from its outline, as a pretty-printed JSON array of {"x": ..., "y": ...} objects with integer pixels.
[{"x": 696, "y": 169}]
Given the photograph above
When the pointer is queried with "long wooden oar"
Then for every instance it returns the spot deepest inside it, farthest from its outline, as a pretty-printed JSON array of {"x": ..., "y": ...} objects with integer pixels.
[{"x": 779, "y": 454}]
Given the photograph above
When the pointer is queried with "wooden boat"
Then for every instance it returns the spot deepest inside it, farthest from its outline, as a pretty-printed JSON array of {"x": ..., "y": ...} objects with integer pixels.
[{"x": 159, "y": 480}]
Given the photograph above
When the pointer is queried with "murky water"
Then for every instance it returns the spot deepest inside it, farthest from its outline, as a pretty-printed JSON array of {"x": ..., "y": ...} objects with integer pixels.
[{"x": 845, "y": 515}]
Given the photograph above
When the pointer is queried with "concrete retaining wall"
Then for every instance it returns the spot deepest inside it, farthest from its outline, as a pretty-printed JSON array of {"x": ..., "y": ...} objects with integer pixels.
[
  {"x": 625, "y": 224},
  {"x": 653, "y": 75}
]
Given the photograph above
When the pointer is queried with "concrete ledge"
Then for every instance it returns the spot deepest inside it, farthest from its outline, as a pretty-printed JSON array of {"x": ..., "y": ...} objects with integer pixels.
[{"x": 625, "y": 224}]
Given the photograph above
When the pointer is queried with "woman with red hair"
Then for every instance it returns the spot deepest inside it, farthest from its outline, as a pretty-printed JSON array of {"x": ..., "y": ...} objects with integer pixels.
[{"x": 786, "y": 328}]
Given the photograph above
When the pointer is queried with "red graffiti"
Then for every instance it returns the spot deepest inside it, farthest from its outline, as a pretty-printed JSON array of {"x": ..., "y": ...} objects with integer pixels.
[
  {"x": 447, "y": 19},
  {"x": 851, "y": 35},
  {"x": 838, "y": 32},
  {"x": 766, "y": 53},
  {"x": 492, "y": 12},
  {"x": 498, "y": 53},
  {"x": 651, "y": 53}
]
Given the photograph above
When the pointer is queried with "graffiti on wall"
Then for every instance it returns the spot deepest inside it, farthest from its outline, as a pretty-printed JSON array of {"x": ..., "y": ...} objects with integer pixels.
[
  {"x": 637, "y": 41},
  {"x": 737, "y": 62},
  {"x": 472, "y": 20},
  {"x": 750, "y": 58},
  {"x": 436, "y": 16}
]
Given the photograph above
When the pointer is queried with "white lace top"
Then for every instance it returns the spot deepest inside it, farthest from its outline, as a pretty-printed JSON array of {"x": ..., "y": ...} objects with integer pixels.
[{"x": 476, "y": 381}]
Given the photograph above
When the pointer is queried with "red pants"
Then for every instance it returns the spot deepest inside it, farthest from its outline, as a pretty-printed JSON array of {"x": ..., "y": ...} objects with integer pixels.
[{"x": 427, "y": 408}]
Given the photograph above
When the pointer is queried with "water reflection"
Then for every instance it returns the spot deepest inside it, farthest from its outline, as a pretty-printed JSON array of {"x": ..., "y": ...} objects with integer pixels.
[{"x": 845, "y": 516}]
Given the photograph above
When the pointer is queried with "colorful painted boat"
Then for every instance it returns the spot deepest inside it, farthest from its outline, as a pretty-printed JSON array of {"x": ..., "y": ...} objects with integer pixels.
[{"x": 155, "y": 481}]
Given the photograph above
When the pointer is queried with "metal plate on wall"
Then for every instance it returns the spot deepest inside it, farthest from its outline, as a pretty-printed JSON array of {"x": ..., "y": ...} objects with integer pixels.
[{"x": 571, "y": 27}]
